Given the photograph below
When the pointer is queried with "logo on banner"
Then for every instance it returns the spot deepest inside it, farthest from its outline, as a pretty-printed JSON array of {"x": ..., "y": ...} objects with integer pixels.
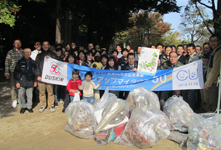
[
  {"x": 182, "y": 75},
  {"x": 55, "y": 69}
]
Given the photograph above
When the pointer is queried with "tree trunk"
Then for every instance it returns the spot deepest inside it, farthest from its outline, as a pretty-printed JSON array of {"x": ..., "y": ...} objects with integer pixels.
[
  {"x": 217, "y": 19},
  {"x": 58, "y": 25}
]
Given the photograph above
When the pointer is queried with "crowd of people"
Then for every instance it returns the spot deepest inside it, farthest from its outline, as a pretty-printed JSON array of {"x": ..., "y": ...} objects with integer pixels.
[{"x": 24, "y": 68}]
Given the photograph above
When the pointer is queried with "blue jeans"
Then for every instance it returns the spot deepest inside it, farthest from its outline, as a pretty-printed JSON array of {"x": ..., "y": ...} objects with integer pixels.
[
  {"x": 71, "y": 98},
  {"x": 89, "y": 99}
]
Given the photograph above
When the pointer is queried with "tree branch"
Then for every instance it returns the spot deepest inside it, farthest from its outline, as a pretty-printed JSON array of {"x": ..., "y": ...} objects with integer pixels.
[
  {"x": 204, "y": 21},
  {"x": 210, "y": 7}
]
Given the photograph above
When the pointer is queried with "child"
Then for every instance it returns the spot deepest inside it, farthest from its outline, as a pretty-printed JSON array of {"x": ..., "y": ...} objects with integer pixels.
[
  {"x": 96, "y": 64},
  {"x": 88, "y": 87},
  {"x": 72, "y": 86}
]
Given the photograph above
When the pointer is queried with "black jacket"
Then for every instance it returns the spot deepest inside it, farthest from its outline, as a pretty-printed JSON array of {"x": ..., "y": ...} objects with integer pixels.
[
  {"x": 127, "y": 66},
  {"x": 25, "y": 73},
  {"x": 40, "y": 60},
  {"x": 122, "y": 63},
  {"x": 182, "y": 59}
]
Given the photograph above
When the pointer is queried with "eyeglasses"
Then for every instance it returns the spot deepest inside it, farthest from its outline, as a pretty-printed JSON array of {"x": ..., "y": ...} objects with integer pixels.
[{"x": 214, "y": 41}]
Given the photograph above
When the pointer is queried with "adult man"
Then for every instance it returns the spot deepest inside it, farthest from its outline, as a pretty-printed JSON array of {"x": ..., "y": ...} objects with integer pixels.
[
  {"x": 160, "y": 46},
  {"x": 180, "y": 51},
  {"x": 132, "y": 64},
  {"x": 26, "y": 80},
  {"x": 10, "y": 62},
  {"x": 213, "y": 71},
  {"x": 90, "y": 46},
  {"x": 128, "y": 47},
  {"x": 185, "y": 50},
  {"x": 118, "y": 48},
  {"x": 192, "y": 56},
  {"x": 198, "y": 50},
  {"x": 37, "y": 50},
  {"x": 171, "y": 63},
  {"x": 173, "y": 48},
  {"x": 42, "y": 86},
  {"x": 123, "y": 60},
  {"x": 137, "y": 55}
]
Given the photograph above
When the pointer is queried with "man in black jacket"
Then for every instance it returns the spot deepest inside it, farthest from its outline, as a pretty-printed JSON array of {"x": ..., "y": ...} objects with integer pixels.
[
  {"x": 132, "y": 65},
  {"x": 26, "y": 80},
  {"x": 180, "y": 50},
  {"x": 46, "y": 53}
]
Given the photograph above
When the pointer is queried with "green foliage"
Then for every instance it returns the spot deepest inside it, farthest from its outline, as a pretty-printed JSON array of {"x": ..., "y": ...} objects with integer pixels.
[
  {"x": 8, "y": 10},
  {"x": 148, "y": 28},
  {"x": 172, "y": 38}
]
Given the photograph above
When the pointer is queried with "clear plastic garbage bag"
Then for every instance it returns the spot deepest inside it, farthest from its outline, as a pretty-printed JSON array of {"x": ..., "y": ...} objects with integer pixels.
[
  {"x": 81, "y": 120},
  {"x": 179, "y": 113},
  {"x": 145, "y": 128},
  {"x": 111, "y": 120},
  {"x": 204, "y": 132}
]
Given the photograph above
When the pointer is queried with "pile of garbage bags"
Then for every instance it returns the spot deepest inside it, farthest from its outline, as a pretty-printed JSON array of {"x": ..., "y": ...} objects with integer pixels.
[
  {"x": 139, "y": 122},
  {"x": 204, "y": 132}
]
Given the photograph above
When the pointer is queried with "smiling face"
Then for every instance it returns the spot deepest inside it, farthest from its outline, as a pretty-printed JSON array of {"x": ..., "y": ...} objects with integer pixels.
[
  {"x": 139, "y": 49},
  {"x": 173, "y": 58},
  {"x": 180, "y": 50},
  {"x": 206, "y": 49},
  {"x": 81, "y": 56},
  {"x": 168, "y": 50},
  {"x": 190, "y": 50},
  {"x": 37, "y": 45},
  {"x": 111, "y": 63},
  {"x": 104, "y": 61},
  {"x": 88, "y": 78},
  {"x": 89, "y": 57},
  {"x": 45, "y": 45},
  {"x": 114, "y": 54},
  {"x": 214, "y": 42},
  {"x": 17, "y": 44},
  {"x": 27, "y": 53},
  {"x": 131, "y": 59},
  {"x": 71, "y": 59}
]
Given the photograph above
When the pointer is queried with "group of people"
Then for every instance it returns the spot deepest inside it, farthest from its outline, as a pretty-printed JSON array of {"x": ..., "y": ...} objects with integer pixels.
[{"x": 24, "y": 68}]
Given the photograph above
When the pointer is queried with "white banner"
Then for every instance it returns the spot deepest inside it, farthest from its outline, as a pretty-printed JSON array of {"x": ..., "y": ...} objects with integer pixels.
[{"x": 54, "y": 72}]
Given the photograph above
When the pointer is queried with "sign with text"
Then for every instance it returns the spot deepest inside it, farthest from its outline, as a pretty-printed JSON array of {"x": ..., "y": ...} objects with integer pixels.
[
  {"x": 148, "y": 60},
  {"x": 189, "y": 76}
]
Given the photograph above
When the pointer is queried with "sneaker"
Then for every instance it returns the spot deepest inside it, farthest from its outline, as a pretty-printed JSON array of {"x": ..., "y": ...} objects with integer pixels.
[
  {"x": 41, "y": 109},
  {"x": 22, "y": 111},
  {"x": 56, "y": 104},
  {"x": 14, "y": 103},
  {"x": 30, "y": 110},
  {"x": 52, "y": 109},
  {"x": 61, "y": 101}
]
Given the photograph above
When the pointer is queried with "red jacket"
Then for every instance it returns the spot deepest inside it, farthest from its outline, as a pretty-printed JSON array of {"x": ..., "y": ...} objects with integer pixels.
[{"x": 73, "y": 84}]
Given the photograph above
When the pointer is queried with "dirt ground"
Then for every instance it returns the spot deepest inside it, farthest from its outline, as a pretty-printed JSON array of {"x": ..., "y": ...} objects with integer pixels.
[{"x": 45, "y": 130}]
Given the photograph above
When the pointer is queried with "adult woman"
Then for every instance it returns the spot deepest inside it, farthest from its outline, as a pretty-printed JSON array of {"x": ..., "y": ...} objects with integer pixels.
[
  {"x": 72, "y": 59},
  {"x": 81, "y": 57},
  {"x": 111, "y": 64},
  {"x": 104, "y": 59},
  {"x": 89, "y": 59},
  {"x": 115, "y": 53}
]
